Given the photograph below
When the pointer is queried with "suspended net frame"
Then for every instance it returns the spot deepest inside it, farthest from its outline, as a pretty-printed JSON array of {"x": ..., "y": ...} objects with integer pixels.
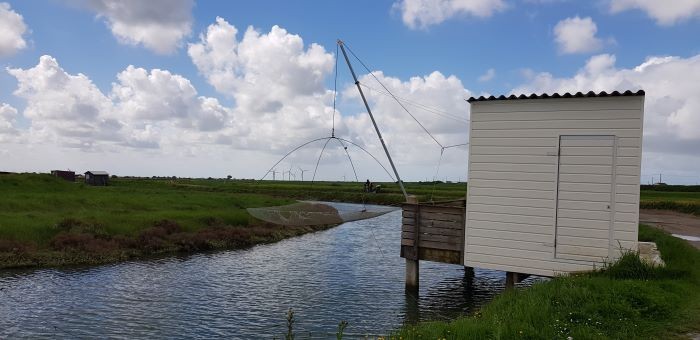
[{"x": 318, "y": 213}]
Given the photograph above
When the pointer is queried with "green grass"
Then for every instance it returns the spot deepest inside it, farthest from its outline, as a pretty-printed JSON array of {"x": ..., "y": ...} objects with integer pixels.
[
  {"x": 627, "y": 300},
  {"x": 682, "y": 201},
  {"x": 48, "y": 221},
  {"x": 32, "y": 205},
  {"x": 334, "y": 191}
]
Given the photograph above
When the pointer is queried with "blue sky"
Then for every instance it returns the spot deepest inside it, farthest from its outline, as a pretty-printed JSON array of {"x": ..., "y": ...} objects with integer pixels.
[{"x": 518, "y": 40}]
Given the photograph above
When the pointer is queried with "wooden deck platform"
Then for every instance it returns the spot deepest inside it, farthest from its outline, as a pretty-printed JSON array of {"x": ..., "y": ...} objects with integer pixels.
[{"x": 434, "y": 231}]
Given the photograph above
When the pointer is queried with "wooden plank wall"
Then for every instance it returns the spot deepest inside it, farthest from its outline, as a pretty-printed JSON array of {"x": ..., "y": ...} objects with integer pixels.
[{"x": 433, "y": 232}]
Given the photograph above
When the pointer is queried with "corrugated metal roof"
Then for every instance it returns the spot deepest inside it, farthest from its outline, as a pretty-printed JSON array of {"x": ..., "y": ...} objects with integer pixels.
[
  {"x": 557, "y": 95},
  {"x": 98, "y": 172}
]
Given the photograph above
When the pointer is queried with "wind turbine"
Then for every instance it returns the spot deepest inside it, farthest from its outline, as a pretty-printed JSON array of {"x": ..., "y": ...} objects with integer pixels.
[
  {"x": 274, "y": 174},
  {"x": 302, "y": 173},
  {"x": 290, "y": 174}
]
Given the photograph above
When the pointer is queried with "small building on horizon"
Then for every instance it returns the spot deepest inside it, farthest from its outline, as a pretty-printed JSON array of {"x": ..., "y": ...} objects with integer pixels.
[
  {"x": 65, "y": 174},
  {"x": 99, "y": 178}
]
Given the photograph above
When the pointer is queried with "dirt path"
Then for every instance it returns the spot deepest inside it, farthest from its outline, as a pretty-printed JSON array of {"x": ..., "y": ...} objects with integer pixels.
[{"x": 673, "y": 222}]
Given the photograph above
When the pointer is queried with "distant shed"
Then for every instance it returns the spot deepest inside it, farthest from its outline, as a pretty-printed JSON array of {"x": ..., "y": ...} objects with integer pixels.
[
  {"x": 100, "y": 178},
  {"x": 67, "y": 175},
  {"x": 553, "y": 181}
]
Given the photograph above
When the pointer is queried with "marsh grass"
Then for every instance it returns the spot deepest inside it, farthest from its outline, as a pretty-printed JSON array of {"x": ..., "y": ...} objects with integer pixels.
[
  {"x": 685, "y": 199},
  {"x": 46, "y": 221},
  {"x": 688, "y": 207},
  {"x": 34, "y": 207}
]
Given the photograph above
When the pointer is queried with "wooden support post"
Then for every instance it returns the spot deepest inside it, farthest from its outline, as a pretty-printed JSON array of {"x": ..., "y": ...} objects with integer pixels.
[
  {"x": 468, "y": 272},
  {"x": 511, "y": 278},
  {"x": 412, "y": 274},
  {"x": 412, "y": 265},
  {"x": 468, "y": 280}
]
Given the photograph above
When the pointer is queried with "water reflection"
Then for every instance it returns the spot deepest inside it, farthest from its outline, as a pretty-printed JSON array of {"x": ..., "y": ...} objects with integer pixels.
[{"x": 351, "y": 272}]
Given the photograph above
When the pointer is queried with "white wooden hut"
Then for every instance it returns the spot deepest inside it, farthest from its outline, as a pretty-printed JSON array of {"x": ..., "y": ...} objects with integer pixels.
[{"x": 553, "y": 181}]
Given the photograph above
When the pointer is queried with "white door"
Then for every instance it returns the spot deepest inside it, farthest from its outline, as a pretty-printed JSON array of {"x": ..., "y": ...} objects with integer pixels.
[{"x": 585, "y": 191}]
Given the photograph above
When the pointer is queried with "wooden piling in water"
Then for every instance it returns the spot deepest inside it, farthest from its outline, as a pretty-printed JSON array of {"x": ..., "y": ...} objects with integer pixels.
[{"x": 412, "y": 265}]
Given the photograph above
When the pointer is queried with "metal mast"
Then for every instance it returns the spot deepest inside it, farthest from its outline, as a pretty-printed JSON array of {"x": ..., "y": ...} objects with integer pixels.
[{"x": 376, "y": 128}]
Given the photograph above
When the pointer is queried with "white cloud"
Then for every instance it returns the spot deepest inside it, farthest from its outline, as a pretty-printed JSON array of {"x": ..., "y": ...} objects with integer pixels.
[
  {"x": 277, "y": 83},
  {"x": 424, "y": 13},
  {"x": 144, "y": 108},
  {"x": 436, "y": 100},
  {"x": 12, "y": 30},
  {"x": 664, "y": 12},
  {"x": 61, "y": 104},
  {"x": 159, "y": 95},
  {"x": 577, "y": 35},
  {"x": 671, "y": 121},
  {"x": 276, "y": 60},
  {"x": 8, "y": 118},
  {"x": 490, "y": 74},
  {"x": 159, "y": 25}
]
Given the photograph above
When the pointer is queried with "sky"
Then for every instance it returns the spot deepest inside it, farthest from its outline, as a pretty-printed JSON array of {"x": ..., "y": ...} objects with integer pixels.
[{"x": 214, "y": 88}]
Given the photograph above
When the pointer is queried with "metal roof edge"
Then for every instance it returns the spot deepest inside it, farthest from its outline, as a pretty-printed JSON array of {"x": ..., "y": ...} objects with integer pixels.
[{"x": 588, "y": 94}]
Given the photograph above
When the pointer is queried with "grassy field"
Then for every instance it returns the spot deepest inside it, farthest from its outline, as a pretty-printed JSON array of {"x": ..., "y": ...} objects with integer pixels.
[
  {"x": 48, "y": 221},
  {"x": 682, "y": 201},
  {"x": 628, "y": 300}
]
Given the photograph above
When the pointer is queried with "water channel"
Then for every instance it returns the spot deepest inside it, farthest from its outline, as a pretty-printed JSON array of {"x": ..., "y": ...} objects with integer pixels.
[{"x": 352, "y": 272}]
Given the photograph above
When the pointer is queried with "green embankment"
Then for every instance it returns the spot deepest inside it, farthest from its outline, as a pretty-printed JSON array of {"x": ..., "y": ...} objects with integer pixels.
[
  {"x": 32, "y": 206},
  {"x": 46, "y": 221},
  {"x": 628, "y": 300}
]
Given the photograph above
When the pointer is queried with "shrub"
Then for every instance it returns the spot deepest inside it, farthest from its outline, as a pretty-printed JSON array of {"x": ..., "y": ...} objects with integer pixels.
[
  {"x": 80, "y": 227},
  {"x": 68, "y": 223},
  {"x": 684, "y": 207},
  {"x": 12, "y": 246},
  {"x": 169, "y": 226},
  {"x": 630, "y": 266},
  {"x": 213, "y": 221},
  {"x": 191, "y": 241},
  {"x": 66, "y": 241},
  {"x": 155, "y": 238}
]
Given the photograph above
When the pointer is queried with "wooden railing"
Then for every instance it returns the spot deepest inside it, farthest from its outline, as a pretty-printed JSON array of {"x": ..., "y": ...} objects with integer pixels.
[{"x": 433, "y": 231}]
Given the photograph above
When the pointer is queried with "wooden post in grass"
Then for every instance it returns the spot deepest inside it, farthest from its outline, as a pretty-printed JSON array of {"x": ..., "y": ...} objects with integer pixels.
[
  {"x": 412, "y": 266},
  {"x": 510, "y": 280}
]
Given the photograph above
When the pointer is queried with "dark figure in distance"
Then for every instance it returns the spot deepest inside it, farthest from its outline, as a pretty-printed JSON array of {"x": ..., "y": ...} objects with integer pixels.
[{"x": 369, "y": 187}]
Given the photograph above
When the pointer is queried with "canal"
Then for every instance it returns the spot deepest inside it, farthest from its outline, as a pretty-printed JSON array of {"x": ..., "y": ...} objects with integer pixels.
[{"x": 352, "y": 272}]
